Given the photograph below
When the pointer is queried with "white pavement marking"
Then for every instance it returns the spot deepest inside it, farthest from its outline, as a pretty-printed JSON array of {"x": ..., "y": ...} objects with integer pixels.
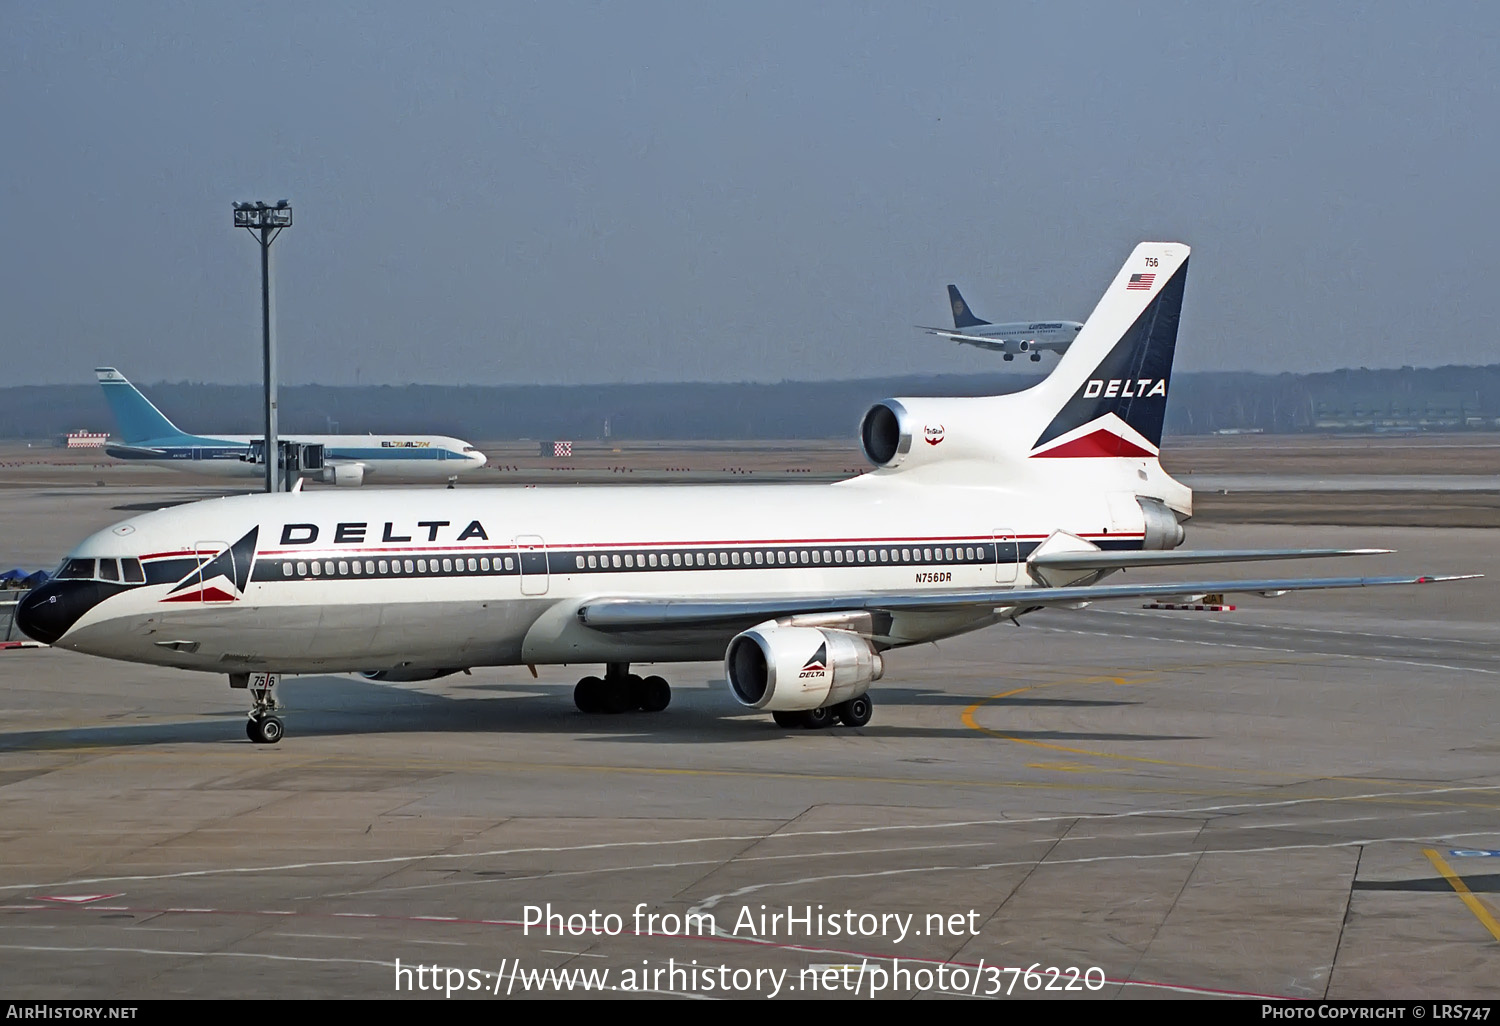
[
  {"x": 844, "y": 832},
  {"x": 714, "y": 899},
  {"x": 197, "y": 954}
]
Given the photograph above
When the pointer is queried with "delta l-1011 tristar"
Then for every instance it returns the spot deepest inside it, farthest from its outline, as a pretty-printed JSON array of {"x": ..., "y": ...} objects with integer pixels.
[{"x": 979, "y": 510}]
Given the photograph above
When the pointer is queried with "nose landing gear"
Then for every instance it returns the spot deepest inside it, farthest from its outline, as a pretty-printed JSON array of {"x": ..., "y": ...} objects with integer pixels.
[{"x": 263, "y": 727}]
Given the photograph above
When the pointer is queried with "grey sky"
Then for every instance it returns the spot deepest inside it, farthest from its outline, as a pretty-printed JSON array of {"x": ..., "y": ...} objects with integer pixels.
[{"x": 559, "y": 192}]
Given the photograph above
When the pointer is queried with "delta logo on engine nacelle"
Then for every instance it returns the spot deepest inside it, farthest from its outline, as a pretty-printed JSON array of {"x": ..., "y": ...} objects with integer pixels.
[
  {"x": 1121, "y": 387},
  {"x": 816, "y": 666}
]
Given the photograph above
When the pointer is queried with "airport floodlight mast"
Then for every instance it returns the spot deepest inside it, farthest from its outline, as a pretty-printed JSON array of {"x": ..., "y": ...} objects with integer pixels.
[{"x": 266, "y": 222}]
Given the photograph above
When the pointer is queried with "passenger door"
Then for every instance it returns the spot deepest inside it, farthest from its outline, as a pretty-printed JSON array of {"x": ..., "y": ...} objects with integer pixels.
[{"x": 532, "y": 553}]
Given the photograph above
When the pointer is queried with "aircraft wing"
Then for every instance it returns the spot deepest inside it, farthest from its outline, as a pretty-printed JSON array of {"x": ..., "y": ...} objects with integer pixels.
[
  {"x": 982, "y": 341},
  {"x": 636, "y": 614}
]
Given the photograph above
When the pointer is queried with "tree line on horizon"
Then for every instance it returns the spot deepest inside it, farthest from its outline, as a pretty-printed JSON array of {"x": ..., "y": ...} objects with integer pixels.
[{"x": 1201, "y": 403}]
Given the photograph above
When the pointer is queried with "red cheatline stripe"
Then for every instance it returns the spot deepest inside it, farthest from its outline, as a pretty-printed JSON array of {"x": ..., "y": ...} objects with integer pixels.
[{"x": 808, "y": 542}]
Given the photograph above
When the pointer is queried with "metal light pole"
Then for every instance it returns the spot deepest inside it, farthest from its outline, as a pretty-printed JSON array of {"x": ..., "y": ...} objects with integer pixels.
[{"x": 265, "y": 223}]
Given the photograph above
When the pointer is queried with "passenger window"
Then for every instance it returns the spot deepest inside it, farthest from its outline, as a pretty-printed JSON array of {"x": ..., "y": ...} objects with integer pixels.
[
  {"x": 286, "y": 569},
  {"x": 302, "y": 569},
  {"x": 484, "y": 564},
  {"x": 385, "y": 567},
  {"x": 471, "y": 566}
]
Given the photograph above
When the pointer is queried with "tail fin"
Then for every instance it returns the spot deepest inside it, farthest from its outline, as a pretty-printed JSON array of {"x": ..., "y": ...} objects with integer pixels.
[
  {"x": 963, "y": 317},
  {"x": 135, "y": 416},
  {"x": 1109, "y": 390}
]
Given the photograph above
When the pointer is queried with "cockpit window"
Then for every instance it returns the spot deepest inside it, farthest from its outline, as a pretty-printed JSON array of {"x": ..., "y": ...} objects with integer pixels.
[
  {"x": 470, "y": 448},
  {"x": 109, "y": 570},
  {"x": 76, "y": 570},
  {"x": 132, "y": 572}
]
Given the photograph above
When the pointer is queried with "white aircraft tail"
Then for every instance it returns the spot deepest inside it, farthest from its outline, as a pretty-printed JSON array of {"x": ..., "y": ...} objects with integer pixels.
[
  {"x": 1108, "y": 394},
  {"x": 1104, "y": 402}
]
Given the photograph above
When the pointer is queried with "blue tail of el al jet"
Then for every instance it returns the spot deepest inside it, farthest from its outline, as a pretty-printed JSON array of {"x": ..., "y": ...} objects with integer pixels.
[{"x": 135, "y": 416}]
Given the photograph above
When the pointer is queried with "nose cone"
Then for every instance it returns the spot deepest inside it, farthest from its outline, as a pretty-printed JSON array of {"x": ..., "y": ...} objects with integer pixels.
[
  {"x": 46, "y": 613},
  {"x": 479, "y": 459}
]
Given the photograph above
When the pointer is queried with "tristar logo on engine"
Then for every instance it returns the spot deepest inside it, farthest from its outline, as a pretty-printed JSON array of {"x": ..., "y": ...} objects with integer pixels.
[
  {"x": 934, "y": 435},
  {"x": 815, "y": 667},
  {"x": 1125, "y": 388}
]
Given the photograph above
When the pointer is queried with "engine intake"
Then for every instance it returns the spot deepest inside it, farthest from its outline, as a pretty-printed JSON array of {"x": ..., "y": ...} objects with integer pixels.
[
  {"x": 884, "y": 433},
  {"x": 792, "y": 669}
]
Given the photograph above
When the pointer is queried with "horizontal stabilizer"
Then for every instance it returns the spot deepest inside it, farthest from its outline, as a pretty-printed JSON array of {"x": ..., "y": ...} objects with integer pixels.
[{"x": 1102, "y": 560}]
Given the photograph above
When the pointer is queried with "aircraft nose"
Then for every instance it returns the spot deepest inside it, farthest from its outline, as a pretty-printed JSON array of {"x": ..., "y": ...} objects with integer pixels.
[
  {"x": 46, "y": 612},
  {"x": 479, "y": 458}
]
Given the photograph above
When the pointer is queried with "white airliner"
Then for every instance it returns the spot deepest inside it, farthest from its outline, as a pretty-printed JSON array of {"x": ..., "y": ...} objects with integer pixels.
[
  {"x": 150, "y": 438},
  {"x": 979, "y": 510},
  {"x": 1010, "y": 340}
]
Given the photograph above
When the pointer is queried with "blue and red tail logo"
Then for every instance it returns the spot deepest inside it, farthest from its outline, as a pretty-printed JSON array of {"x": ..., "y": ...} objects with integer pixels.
[{"x": 1119, "y": 409}]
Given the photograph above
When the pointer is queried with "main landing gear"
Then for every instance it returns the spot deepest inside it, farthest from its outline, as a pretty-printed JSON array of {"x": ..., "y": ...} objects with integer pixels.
[
  {"x": 619, "y": 691},
  {"x": 263, "y": 727},
  {"x": 854, "y": 713}
]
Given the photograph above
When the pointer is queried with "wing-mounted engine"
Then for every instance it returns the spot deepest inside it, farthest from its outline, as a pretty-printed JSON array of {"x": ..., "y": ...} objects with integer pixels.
[
  {"x": 345, "y": 475},
  {"x": 782, "y": 668}
]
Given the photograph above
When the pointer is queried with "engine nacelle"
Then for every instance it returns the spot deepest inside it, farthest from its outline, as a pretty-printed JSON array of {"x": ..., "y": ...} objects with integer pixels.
[
  {"x": 344, "y": 475},
  {"x": 914, "y": 431},
  {"x": 1163, "y": 529},
  {"x": 407, "y": 676},
  {"x": 793, "y": 669}
]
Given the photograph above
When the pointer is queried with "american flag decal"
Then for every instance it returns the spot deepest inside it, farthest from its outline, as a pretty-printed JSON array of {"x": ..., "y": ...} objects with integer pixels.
[
  {"x": 1141, "y": 282},
  {"x": 562, "y": 448}
]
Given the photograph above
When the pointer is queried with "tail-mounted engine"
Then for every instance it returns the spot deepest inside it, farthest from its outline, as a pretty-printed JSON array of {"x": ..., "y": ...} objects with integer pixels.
[
  {"x": 1163, "y": 530},
  {"x": 792, "y": 669}
]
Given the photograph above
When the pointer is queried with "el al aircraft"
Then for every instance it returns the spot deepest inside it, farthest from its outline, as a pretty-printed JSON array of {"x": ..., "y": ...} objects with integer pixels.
[
  {"x": 150, "y": 438},
  {"x": 1010, "y": 340},
  {"x": 978, "y": 510}
]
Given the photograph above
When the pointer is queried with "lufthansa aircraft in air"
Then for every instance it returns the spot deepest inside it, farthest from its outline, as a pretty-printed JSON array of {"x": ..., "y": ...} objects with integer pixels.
[
  {"x": 1010, "y": 340},
  {"x": 978, "y": 510},
  {"x": 150, "y": 438}
]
